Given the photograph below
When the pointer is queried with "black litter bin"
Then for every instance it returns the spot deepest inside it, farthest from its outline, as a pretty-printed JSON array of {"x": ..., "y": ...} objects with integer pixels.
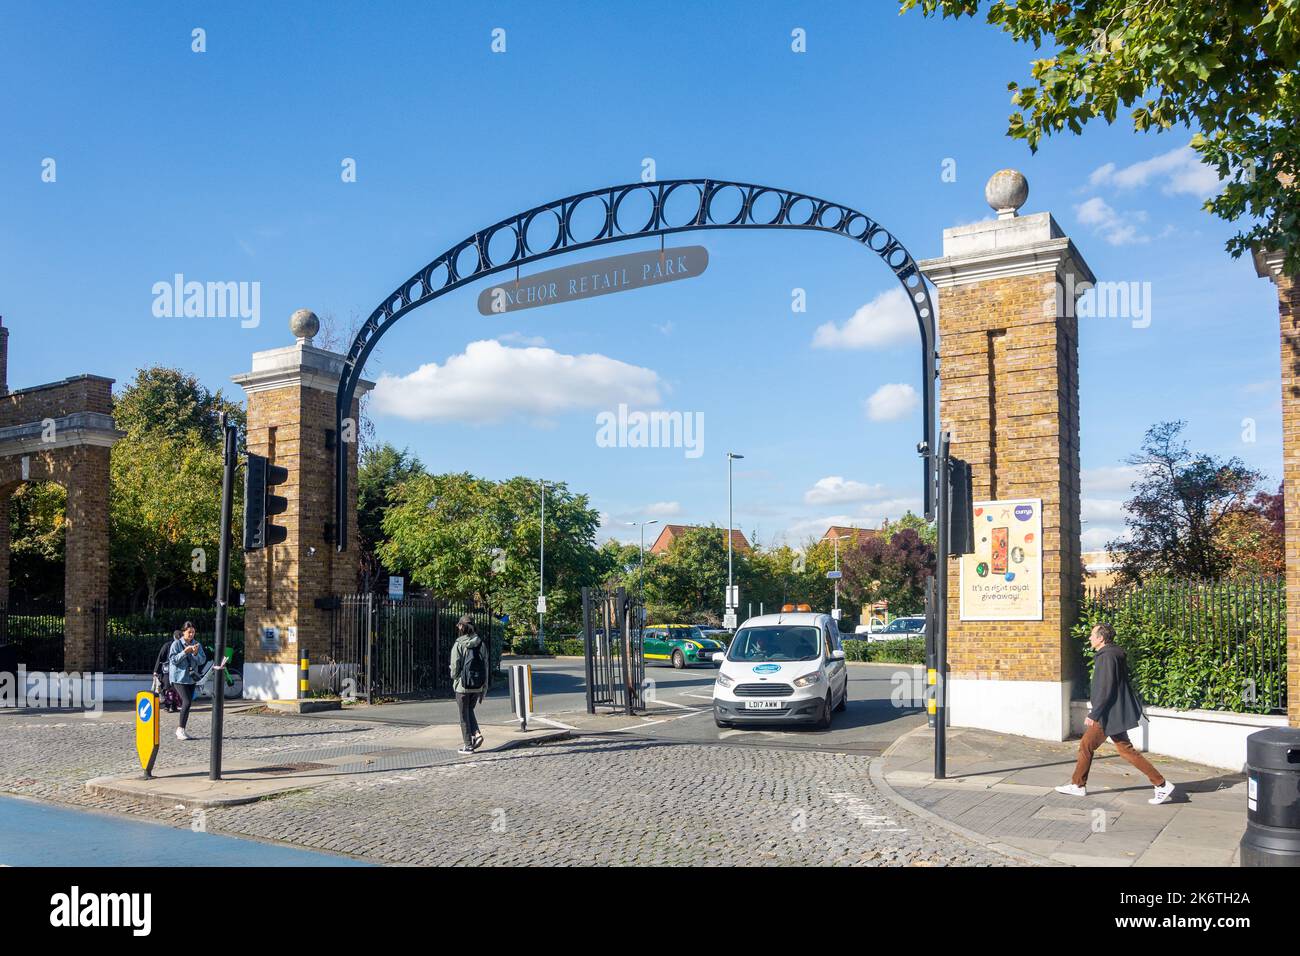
[{"x": 1272, "y": 835}]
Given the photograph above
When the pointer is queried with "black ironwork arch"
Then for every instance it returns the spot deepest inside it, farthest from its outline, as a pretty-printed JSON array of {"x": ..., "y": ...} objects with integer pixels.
[{"x": 633, "y": 211}]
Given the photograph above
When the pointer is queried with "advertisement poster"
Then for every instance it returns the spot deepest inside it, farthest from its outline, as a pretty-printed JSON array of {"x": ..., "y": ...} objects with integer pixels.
[{"x": 1003, "y": 579}]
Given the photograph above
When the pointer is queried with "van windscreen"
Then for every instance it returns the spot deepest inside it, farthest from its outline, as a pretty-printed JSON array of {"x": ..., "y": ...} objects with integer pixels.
[{"x": 776, "y": 642}]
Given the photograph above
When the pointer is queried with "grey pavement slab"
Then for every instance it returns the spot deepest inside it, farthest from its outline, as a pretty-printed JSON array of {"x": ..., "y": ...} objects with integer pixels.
[{"x": 1001, "y": 787}]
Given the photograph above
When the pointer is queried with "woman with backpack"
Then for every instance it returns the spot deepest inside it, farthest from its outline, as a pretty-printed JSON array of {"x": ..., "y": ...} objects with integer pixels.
[
  {"x": 469, "y": 664},
  {"x": 186, "y": 662}
]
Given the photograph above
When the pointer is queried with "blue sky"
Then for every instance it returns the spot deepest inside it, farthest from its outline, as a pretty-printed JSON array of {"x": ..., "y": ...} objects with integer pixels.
[{"x": 225, "y": 166}]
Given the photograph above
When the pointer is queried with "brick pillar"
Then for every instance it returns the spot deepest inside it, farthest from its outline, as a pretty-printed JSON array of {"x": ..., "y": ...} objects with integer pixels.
[
  {"x": 4, "y": 358},
  {"x": 85, "y": 583},
  {"x": 291, "y": 395},
  {"x": 1269, "y": 265},
  {"x": 6, "y": 494},
  {"x": 1009, "y": 394}
]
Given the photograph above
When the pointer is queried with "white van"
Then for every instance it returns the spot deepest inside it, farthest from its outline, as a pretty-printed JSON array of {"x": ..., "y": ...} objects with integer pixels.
[{"x": 782, "y": 668}]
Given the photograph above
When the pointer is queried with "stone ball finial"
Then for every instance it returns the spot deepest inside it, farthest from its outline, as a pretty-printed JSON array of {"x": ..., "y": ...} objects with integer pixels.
[
  {"x": 1006, "y": 191},
  {"x": 304, "y": 325}
]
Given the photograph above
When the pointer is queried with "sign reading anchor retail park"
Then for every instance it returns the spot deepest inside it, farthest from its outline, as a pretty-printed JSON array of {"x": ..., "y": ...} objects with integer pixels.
[{"x": 588, "y": 279}]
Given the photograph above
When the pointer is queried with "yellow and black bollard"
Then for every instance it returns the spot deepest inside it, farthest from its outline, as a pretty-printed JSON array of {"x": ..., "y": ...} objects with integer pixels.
[
  {"x": 304, "y": 674},
  {"x": 146, "y": 730}
]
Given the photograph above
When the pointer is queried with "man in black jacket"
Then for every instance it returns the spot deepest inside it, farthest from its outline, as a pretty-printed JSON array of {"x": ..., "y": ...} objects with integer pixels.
[{"x": 1115, "y": 711}]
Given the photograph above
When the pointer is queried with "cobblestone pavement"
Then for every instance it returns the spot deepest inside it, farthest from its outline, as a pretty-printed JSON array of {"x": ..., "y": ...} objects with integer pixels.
[{"x": 593, "y": 800}]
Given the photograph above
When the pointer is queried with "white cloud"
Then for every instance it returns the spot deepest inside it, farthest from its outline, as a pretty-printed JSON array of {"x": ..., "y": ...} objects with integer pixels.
[
  {"x": 885, "y": 321},
  {"x": 834, "y": 490},
  {"x": 1118, "y": 229},
  {"x": 1096, "y": 539},
  {"x": 490, "y": 382},
  {"x": 891, "y": 509},
  {"x": 664, "y": 509},
  {"x": 799, "y": 531},
  {"x": 1180, "y": 169},
  {"x": 1108, "y": 510},
  {"x": 1115, "y": 481},
  {"x": 518, "y": 338},
  {"x": 892, "y": 402}
]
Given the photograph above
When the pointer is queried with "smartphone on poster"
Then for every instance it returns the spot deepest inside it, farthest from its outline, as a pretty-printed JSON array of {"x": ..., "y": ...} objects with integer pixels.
[{"x": 999, "y": 559}]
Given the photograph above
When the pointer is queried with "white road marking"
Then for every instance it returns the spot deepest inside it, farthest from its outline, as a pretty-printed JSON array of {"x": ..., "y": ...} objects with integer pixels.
[
  {"x": 864, "y": 812},
  {"x": 669, "y": 703},
  {"x": 700, "y": 696},
  {"x": 550, "y": 723}
]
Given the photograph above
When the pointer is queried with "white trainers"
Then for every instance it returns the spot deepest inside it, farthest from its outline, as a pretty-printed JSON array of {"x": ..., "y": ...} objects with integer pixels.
[
  {"x": 1163, "y": 794},
  {"x": 465, "y": 751},
  {"x": 1071, "y": 790},
  {"x": 182, "y": 735}
]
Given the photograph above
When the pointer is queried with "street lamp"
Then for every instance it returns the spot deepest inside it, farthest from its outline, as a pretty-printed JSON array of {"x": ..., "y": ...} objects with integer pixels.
[
  {"x": 640, "y": 576},
  {"x": 731, "y": 456},
  {"x": 541, "y": 575},
  {"x": 836, "y": 613}
]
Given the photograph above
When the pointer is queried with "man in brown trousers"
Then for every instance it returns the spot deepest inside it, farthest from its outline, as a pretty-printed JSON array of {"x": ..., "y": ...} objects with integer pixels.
[{"x": 1115, "y": 711}]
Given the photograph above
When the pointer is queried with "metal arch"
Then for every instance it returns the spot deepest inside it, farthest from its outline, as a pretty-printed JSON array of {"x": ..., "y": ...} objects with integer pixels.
[{"x": 699, "y": 208}]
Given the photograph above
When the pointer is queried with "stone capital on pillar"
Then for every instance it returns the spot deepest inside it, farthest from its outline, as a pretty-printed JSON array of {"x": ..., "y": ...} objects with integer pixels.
[
  {"x": 1268, "y": 264},
  {"x": 1007, "y": 248},
  {"x": 291, "y": 421},
  {"x": 1009, "y": 396}
]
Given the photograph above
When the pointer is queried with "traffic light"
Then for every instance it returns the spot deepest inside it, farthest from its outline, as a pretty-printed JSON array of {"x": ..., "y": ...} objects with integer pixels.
[
  {"x": 961, "y": 508},
  {"x": 259, "y": 475}
]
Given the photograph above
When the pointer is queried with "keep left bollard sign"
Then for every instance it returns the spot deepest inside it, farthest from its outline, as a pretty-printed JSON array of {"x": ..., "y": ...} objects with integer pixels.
[{"x": 146, "y": 729}]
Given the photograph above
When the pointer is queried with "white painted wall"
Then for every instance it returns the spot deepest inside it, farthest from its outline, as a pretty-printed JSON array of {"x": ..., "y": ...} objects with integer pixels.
[
  {"x": 263, "y": 681},
  {"x": 1211, "y": 737},
  {"x": 1027, "y": 708}
]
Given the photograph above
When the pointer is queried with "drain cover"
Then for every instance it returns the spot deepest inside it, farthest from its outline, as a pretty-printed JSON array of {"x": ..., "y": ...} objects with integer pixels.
[{"x": 292, "y": 768}]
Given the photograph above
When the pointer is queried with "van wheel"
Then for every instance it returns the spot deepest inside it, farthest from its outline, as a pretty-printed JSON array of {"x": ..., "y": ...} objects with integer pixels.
[
  {"x": 844, "y": 701},
  {"x": 825, "y": 722},
  {"x": 679, "y": 660}
]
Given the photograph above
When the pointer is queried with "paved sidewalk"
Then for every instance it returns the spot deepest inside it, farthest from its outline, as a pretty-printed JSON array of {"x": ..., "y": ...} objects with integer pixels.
[
  {"x": 247, "y": 781},
  {"x": 1001, "y": 787}
]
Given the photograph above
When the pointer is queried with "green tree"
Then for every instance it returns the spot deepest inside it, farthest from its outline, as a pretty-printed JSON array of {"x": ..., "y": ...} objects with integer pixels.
[
  {"x": 462, "y": 536},
  {"x": 165, "y": 487},
  {"x": 688, "y": 582},
  {"x": 172, "y": 403},
  {"x": 891, "y": 568},
  {"x": 1229, "y": 70},
  {"x": 1181, "y": 502},
  {"x": 381, "y": 470},
  {"x": 165, "y": 512},
  {"x": 38, "y": 531},
  {"x": 926, "y": 530}
]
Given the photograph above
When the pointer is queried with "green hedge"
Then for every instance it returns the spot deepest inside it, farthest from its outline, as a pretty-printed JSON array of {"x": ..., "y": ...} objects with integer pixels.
[
  {"x": 899, "y": 650},
  {"x": 568, "y": 646},
  {"x": 1198, "y": 645}
]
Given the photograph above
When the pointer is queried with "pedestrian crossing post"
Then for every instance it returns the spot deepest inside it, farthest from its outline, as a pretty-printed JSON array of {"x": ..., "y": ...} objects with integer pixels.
[{"x": 521, "y": 692}]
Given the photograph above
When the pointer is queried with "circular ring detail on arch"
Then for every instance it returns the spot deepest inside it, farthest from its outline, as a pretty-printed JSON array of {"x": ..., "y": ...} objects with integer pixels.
[{"x": 760, "y": 207}]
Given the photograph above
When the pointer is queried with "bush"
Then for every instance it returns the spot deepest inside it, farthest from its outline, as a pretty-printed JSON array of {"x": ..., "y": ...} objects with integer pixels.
[
  {"x": 902, "y": 650},
  {"x": 1197, "y": 645},
  {"x": 569, "y": 646},
  {"x": 527, "y": 646}
]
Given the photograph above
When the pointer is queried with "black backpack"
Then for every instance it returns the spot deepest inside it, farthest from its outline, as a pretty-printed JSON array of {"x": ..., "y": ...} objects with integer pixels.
[{"x": 473, "y": 668}]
